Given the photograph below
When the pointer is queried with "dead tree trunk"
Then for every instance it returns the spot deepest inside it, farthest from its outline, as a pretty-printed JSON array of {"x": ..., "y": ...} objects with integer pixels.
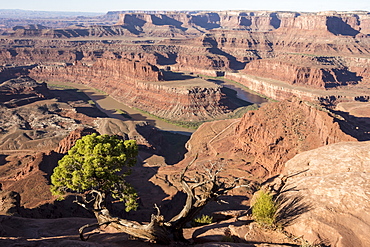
[{"x": 200, "y": 190}]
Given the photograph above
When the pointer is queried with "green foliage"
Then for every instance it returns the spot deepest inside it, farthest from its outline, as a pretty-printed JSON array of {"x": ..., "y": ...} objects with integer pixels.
[
  {"x": 203, "y": 220},
  {"x": 97, "y": 162},
  {"x": 239, "y": 112},
  {"x": 59, "y": 86},
  {"x": 264, "y": 209},
  {"x": 228, "y": 239},
  {"x": 184, "y": 124},
  {"x": 123, "y": 113}
]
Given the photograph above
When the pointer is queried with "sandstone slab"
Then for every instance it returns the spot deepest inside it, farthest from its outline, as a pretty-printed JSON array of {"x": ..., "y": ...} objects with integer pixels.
[{"x": 334, "y": 183}]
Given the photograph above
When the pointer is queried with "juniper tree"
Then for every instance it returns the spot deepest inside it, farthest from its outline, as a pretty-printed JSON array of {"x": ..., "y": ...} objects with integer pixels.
[{"x": 97, "y": 164}]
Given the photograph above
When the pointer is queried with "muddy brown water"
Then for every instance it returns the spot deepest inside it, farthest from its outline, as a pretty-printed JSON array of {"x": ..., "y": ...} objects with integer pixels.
[{"x": 109, "y": 105}]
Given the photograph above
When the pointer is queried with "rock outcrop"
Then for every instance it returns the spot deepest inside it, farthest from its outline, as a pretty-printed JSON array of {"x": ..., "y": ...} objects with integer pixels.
[
  {"x": 261, "y": 141},
  {"x": 294, "y": 71},
  {"x": 69, "y": 141},
  {"x": 332, "y": 182},
  {"x": 303, "y": 51},
  {"x": 21, "y": 91},
  {"x": 10, "y": 203},
  {"x": 275, "y": 133},
  {"x": 141, "y": 85}
]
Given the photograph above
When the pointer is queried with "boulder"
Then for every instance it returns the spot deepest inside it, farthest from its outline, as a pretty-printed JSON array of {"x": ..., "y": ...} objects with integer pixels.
[
  {"x": 333, "y": 182},
  {"x": 69, "y": 141}
]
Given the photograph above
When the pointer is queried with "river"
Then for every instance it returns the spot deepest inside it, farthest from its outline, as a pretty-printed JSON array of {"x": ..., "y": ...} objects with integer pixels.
[
  {"x": 240, "y": 92},
  {"x": 109, "y": 105}
]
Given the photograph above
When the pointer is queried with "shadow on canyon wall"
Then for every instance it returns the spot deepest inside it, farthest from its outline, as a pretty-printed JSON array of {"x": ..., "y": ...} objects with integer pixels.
[
  {"x": 341, "y": 77},
  {"x": 212, "y": 44},
  {"x": 357, "y": 127},
  {"x": 338, "y": 27},
  {"x": 14, "y": 72},
  {"x": 207, "y": 21},
  {"x": 176, "y": 76},
  {"x": 165, "y": 20},
  {"x": 169, "y": 60},
  {"x": 70, "y": 95}
]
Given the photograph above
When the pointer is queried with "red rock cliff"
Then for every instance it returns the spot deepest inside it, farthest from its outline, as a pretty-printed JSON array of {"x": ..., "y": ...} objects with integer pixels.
[
  {"x": 263, "y": 140},
  {"x": 293, "y": 71},
  {"x": 138, "y": 84}
]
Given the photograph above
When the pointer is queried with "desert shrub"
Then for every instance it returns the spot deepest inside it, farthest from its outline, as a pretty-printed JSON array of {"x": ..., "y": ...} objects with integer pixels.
[
  {"x": 123, "y": 113},
  {"x": 203, "y": 220},
  {"x": 228, "y": 237},
  {"x": 264, "y": 209},
  {"x": 307, "y": 244}
]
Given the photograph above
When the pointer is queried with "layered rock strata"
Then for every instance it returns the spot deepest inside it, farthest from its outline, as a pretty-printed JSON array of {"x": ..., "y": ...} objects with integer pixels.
[
  {"x": 140, "y": 85},
  {"x": 190, "y": 22},
  {"x": 294, "y": 72},
  {"x": 259, "y": 144},
  {"x": 318, "y": 56},
  {"x": 21, "y": 91}
]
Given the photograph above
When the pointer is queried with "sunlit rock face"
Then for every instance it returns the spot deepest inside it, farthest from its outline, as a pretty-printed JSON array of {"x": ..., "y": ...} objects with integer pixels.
[{"x": 333, "y": 182}]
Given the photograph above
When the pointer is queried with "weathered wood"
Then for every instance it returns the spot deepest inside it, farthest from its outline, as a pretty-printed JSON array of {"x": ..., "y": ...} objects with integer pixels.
[{"x": 200, "y": 190}]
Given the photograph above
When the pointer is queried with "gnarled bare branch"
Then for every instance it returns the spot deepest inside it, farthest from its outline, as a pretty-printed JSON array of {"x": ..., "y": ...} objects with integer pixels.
[
  {"x": 202, "y": 188},
  {"x": 81, "y": 229}
]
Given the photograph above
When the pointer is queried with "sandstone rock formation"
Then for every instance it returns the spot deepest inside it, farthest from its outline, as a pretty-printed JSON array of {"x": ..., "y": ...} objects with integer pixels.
[
  {"x": 278, "y": 131},
  {"x": 140, "y": 85},
  {"x": 322, "y": 57},
  {"x": 304, "y": 53},
  {"x": 29, "y": 134},
  {"x": 333, "y": 182},
  {"x": 257, "y": 145},
  {"x": 293, "y": 70},
  {"x": 190, "y": 22},
  {"x": 21, "y": 91},
  {"x": 69, "y": 141}
]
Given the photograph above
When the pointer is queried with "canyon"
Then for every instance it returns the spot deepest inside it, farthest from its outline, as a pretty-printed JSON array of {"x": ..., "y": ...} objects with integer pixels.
[
  {"x": 321, "y": 57},
  {"x": 311, "y": 69}
]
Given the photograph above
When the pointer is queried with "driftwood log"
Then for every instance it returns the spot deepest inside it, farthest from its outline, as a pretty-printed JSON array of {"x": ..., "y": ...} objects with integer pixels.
[{"x": 200, "y": 189}]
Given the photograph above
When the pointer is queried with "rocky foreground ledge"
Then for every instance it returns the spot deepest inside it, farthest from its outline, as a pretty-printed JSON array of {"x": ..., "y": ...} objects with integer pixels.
[{"x": 333, "y": 182}]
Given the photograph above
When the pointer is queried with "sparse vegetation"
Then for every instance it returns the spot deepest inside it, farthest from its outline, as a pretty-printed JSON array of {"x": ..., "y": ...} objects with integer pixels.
[
  {"x": 202, "y": 220},
  {"x": 59, "y": 86},
  {"x": 321, "y": 108},
  {"x": 239, "y": 112},
  {"x": 99, "y": 91},
  {"x": 123, "y": 113},
  {"x": 185, "y": 124},
  {"x": 228, "y": 237},
  {"x": 264, "y": 209}
]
